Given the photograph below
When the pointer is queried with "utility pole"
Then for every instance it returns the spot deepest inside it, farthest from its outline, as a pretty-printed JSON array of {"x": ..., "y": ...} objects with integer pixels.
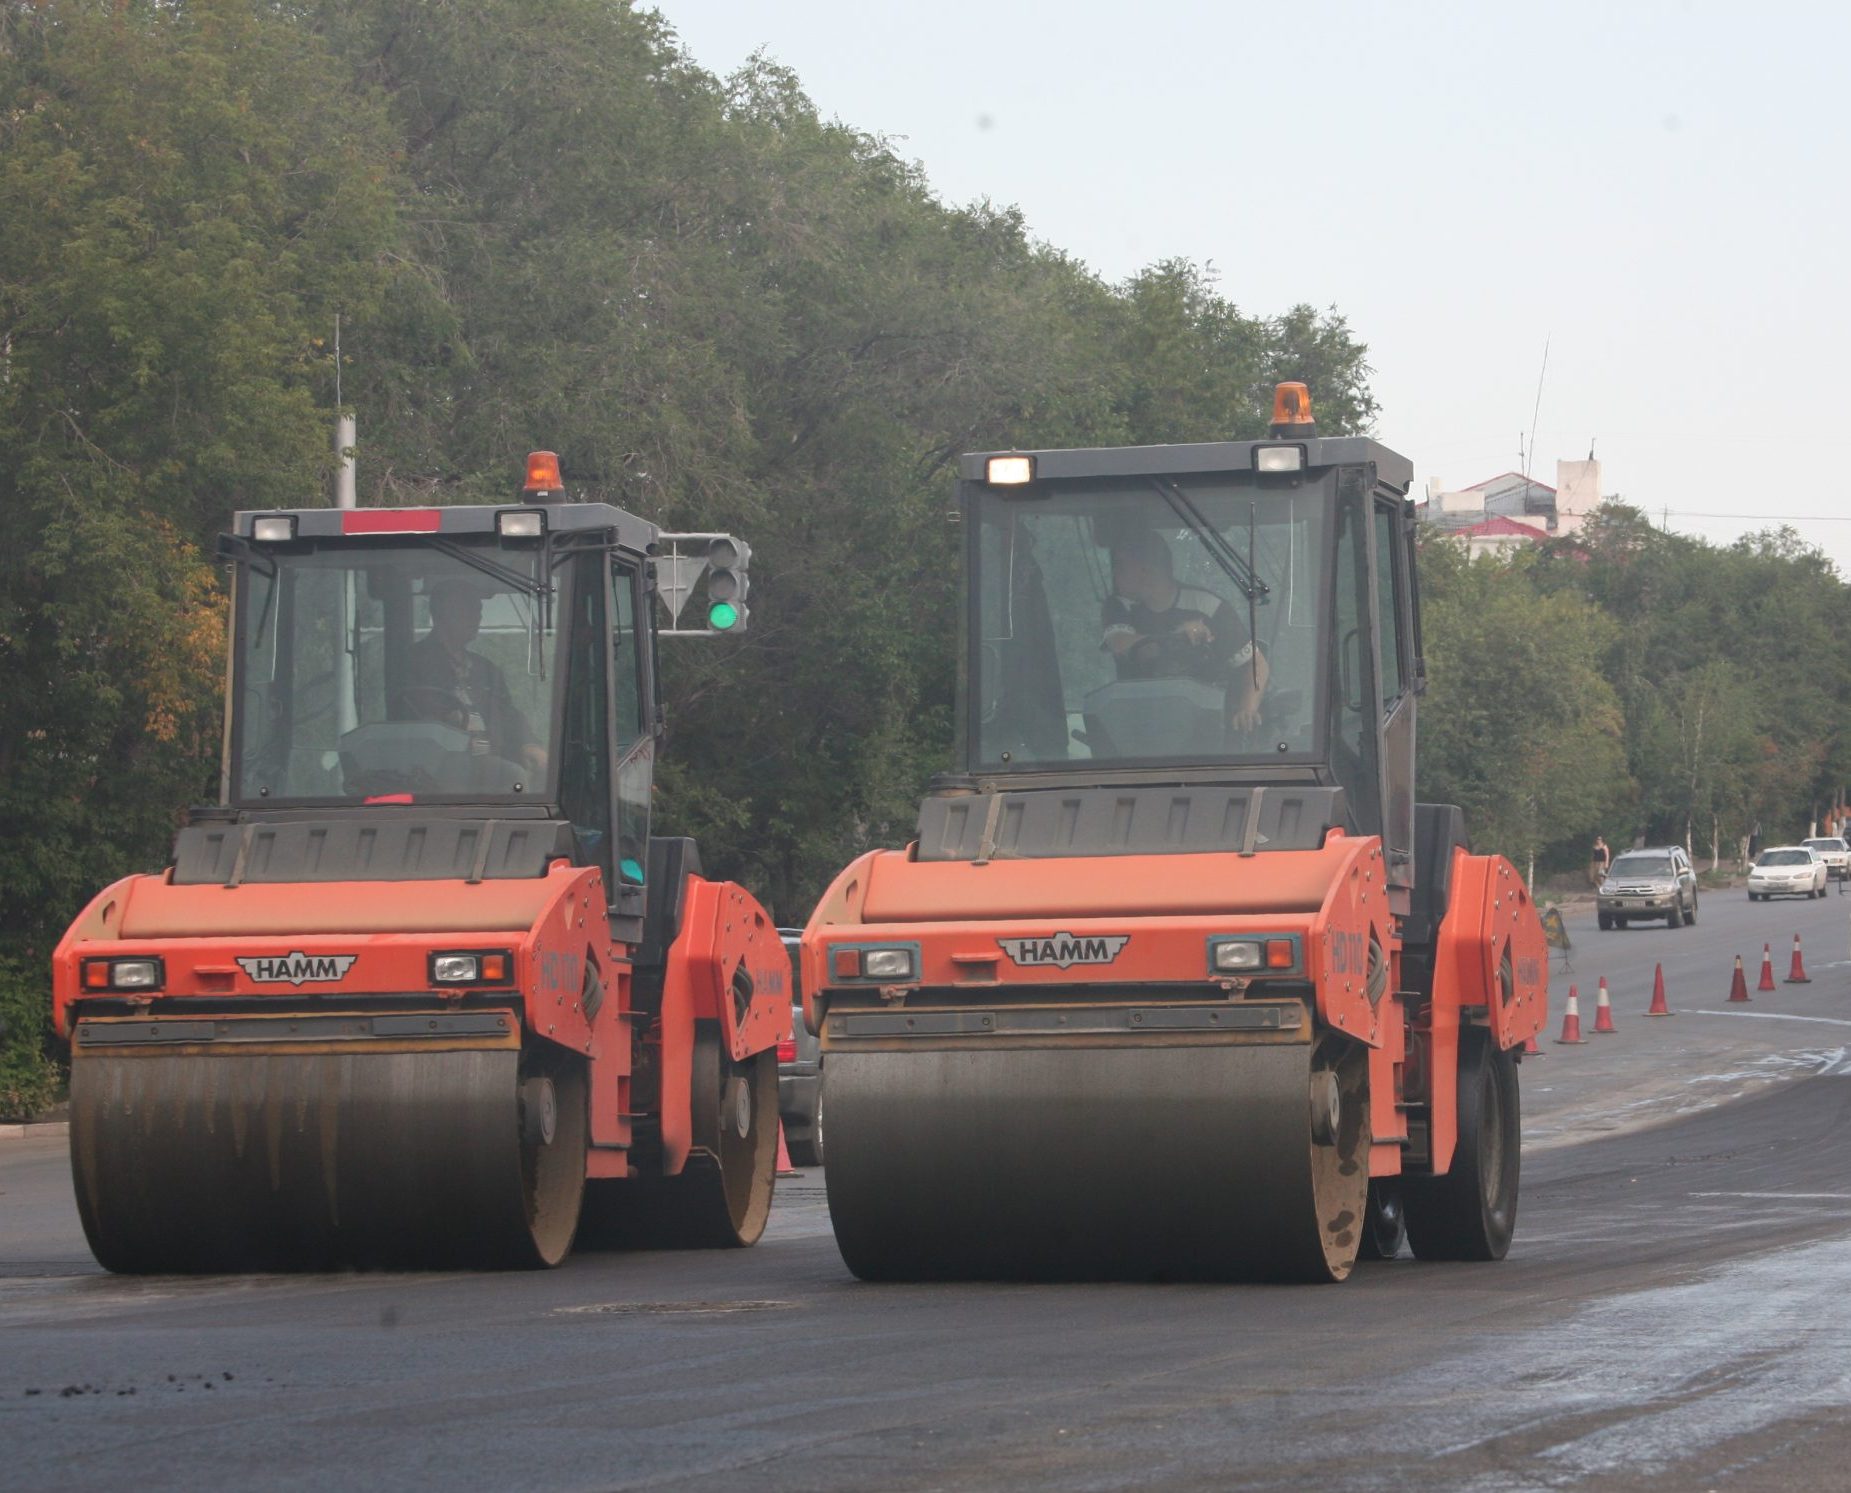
[{"x": 344, "y": 433}]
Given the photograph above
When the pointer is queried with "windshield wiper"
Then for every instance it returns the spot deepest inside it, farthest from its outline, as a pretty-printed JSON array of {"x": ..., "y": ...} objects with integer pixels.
[
  {"x": 503, "y": 573},
  {"x": 1233, "y": 565}
]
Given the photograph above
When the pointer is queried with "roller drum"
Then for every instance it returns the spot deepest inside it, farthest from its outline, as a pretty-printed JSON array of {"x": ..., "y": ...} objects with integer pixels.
[
  {"x": 1182, "y": 1162},
  {"x": 231, "y": 1161}
]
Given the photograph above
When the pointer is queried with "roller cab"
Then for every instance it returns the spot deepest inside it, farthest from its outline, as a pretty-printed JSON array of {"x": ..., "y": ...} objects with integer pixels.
[
  {"x": 1178, "y": 980},
  {"x": 422, "y": 988}
]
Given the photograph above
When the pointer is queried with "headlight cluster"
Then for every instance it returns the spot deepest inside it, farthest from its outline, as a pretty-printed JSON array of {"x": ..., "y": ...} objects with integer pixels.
[
  {"x": 1236, "y": 955},
  {"x": 131, "y": 974},
  {"x": 472, "y": 967}
]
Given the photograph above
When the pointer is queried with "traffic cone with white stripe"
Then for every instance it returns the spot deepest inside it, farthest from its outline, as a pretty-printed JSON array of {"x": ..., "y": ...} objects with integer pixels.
[
  {"x": 1738, "y": 987},
  {"x": 1797, "y": 975},
  {"x": 1767, "y": 968},
  {"x": 1603, "y": 1009},
  {"x": 1659, "y": 1007},
  {"x": 1571, "y": 1020},
  {"x": 784, "y": 1166}
]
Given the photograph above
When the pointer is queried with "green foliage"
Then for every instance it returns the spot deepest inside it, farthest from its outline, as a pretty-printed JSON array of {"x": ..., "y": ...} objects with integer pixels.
[
  {"x": 28, "y": 1079},
  {"x": 1518, "y": 727},
  {"x": 1636, "y": 683}
]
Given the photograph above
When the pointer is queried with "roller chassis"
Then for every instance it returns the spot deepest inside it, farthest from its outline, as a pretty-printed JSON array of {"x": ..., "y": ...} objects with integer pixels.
[
  {"x": 965, "y": 1035},
  {"x": 400, "y": 1000},
  {"x": 1067, "y": 1080}
]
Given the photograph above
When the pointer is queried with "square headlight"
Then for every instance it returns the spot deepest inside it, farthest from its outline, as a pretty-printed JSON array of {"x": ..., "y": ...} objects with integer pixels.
[
  {"x": 887, "y": 964},
  {"x": 1239, "y": 954},
  {"x": 1278, "y": 458},
  {"x": 278, "y": 530},
  {"x": 455, "y": 969},
  {"x": 520, "y": 523}
]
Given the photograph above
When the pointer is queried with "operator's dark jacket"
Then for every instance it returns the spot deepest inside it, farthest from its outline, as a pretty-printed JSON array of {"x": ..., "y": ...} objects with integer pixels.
[{"x": 477, "y": 685}]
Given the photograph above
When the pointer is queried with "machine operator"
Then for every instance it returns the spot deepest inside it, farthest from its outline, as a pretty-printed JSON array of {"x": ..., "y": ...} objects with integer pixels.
[
  {"x": 446, "y": 681},
  {"x": 1156, "y": 628}
]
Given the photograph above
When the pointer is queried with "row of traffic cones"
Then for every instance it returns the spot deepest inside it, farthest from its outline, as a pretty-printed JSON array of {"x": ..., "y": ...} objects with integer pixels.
[
  {"x": 1603, "y": 1006},
  {"x": 1796, "y": 972}
]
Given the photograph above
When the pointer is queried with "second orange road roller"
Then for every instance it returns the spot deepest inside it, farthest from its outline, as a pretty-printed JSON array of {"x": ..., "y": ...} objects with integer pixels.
[
  {"x": 1178, "y": 980},
  {"x": 422, "y": 988}
]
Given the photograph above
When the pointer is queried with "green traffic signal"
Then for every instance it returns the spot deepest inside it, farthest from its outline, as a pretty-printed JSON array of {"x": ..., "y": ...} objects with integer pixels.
[{"x": 722, "y": 615}]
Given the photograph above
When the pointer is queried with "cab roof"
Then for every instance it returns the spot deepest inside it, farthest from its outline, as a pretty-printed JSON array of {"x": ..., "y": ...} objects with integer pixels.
[
  {"x": 1392, "y": 469},
  {"x": 633, "y": 533}
]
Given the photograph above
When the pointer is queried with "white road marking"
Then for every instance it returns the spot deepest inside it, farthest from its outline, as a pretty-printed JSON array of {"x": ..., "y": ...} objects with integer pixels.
[
  {"x": 1836, "y": 1197},
  {"x": 1770, "y": 1016}
]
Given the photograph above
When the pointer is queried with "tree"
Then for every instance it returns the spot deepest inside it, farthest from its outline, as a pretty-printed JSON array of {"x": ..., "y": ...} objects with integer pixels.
[{"x": 1519, "y": 727}]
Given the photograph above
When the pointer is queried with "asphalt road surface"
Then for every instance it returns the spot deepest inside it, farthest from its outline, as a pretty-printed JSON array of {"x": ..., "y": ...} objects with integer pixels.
[{"x": 1675, "y": 1314}]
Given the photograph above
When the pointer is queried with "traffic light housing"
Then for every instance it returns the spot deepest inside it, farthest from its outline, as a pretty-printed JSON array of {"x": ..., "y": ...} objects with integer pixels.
[
  {"x": 710, "y": 570},
  {"x": 728, "y": 583}
]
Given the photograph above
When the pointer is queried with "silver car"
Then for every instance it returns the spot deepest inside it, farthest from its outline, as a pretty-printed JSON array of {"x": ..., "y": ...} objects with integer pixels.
[
  {"x": 1648, "y": 885},
  {"x": 1787, "y": 871},
  {"x": 800, "y": 1073}
]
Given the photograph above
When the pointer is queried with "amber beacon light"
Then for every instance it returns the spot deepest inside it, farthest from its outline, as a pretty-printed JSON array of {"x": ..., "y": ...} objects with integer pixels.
[
  {"x": 543, "y": 473},
  {"x": 1291, "y": 405}
]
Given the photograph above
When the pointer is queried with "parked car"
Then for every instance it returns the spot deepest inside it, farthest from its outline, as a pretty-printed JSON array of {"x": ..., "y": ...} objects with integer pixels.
[
  {"x": 1787, "y": 871},
  {"x": 1648, "y": 884},
  {"x": 1835, "y": 851},
  {"x": 800, "y": 1073}
]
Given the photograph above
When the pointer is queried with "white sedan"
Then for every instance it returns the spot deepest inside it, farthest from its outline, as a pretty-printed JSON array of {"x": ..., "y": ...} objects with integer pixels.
[
  {"x": 1787, "y": 871},
  {"x": 1835, "y": 851}
]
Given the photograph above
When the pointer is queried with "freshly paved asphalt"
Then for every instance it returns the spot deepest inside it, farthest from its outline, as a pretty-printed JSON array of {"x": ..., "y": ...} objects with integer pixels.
[{"x": 1673, "y": 1315}]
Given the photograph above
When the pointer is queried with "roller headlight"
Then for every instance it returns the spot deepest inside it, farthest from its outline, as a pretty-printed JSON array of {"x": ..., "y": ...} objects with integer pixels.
[
  {"x": 123, "y": 974},
  {"x": 887, "y": 964},
  {"x": 472, "y": 967},
  {"x": 1239, "y": 954}
]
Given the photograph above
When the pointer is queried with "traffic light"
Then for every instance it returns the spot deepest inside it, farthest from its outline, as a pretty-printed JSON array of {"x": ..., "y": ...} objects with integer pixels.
[
  {"x": 728, "y": 583},
  {"x": 713, "y": 565}
]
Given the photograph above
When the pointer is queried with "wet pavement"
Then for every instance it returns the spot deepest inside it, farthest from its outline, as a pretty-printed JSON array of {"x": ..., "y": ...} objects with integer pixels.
[{"x": 1672, "y": 1315}]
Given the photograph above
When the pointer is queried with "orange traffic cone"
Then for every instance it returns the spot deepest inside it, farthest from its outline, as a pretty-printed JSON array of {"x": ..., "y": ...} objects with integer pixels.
[
  {"x": 1659, "y": 1005},
  {"x": 1797, "y": 975},
  {"x": 1603, "y": 1009},
  {"x": 1767, "y": 969},
  {"x": 1738, "y": 987},
  {"x": 1571, "y": 1020},
  {"x": 785, "y": 1169},
  {"x": 1530, "y": 1049}
]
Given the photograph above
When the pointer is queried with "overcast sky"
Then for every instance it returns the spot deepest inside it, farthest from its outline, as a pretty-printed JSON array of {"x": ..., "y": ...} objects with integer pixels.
[{"x": 1658, "y": 191}]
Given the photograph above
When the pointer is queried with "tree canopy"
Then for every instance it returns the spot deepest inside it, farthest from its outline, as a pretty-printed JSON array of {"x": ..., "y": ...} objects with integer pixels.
[{"x": 540, "y": 223}]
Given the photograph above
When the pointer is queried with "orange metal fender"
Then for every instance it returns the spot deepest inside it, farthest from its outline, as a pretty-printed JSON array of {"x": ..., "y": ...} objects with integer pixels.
[
  {"x": 1490, "y": 969},
  {"x": 727, "y": 965},
  {"x": 1352, "y": 941},
  {"x": 844, "y": 903}
]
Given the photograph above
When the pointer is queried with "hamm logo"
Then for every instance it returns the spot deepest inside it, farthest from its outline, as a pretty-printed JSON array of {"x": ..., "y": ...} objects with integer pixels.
[
  {"x": 1064, "y": 949},
  {"x": 297, "y": 969}
]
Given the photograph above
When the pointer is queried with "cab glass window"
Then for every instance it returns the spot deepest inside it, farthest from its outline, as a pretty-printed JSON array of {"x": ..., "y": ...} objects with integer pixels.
[{"x": 1143, "y": 621}]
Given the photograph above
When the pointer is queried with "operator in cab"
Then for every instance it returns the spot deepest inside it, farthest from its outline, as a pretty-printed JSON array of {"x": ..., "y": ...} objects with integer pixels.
[
  {"x": 446, "y": 681},
  {"x": 1156, "y": 628}
]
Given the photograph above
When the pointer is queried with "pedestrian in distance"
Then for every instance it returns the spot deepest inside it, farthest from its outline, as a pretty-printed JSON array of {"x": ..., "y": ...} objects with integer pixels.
[{"x": 1598, "y": 861}]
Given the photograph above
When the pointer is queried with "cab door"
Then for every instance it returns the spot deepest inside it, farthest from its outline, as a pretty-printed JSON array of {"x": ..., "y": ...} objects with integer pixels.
[{"x": 1395, "y": 670}]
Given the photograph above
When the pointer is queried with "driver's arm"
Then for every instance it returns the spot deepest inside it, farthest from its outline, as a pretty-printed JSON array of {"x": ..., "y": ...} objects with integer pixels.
[
  {"x": 512, "y": 723},
  {"x": 1248, "y": 670},
  {"x": 1247, "y": 687},
  {"x": 1119, "y": 637}
]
